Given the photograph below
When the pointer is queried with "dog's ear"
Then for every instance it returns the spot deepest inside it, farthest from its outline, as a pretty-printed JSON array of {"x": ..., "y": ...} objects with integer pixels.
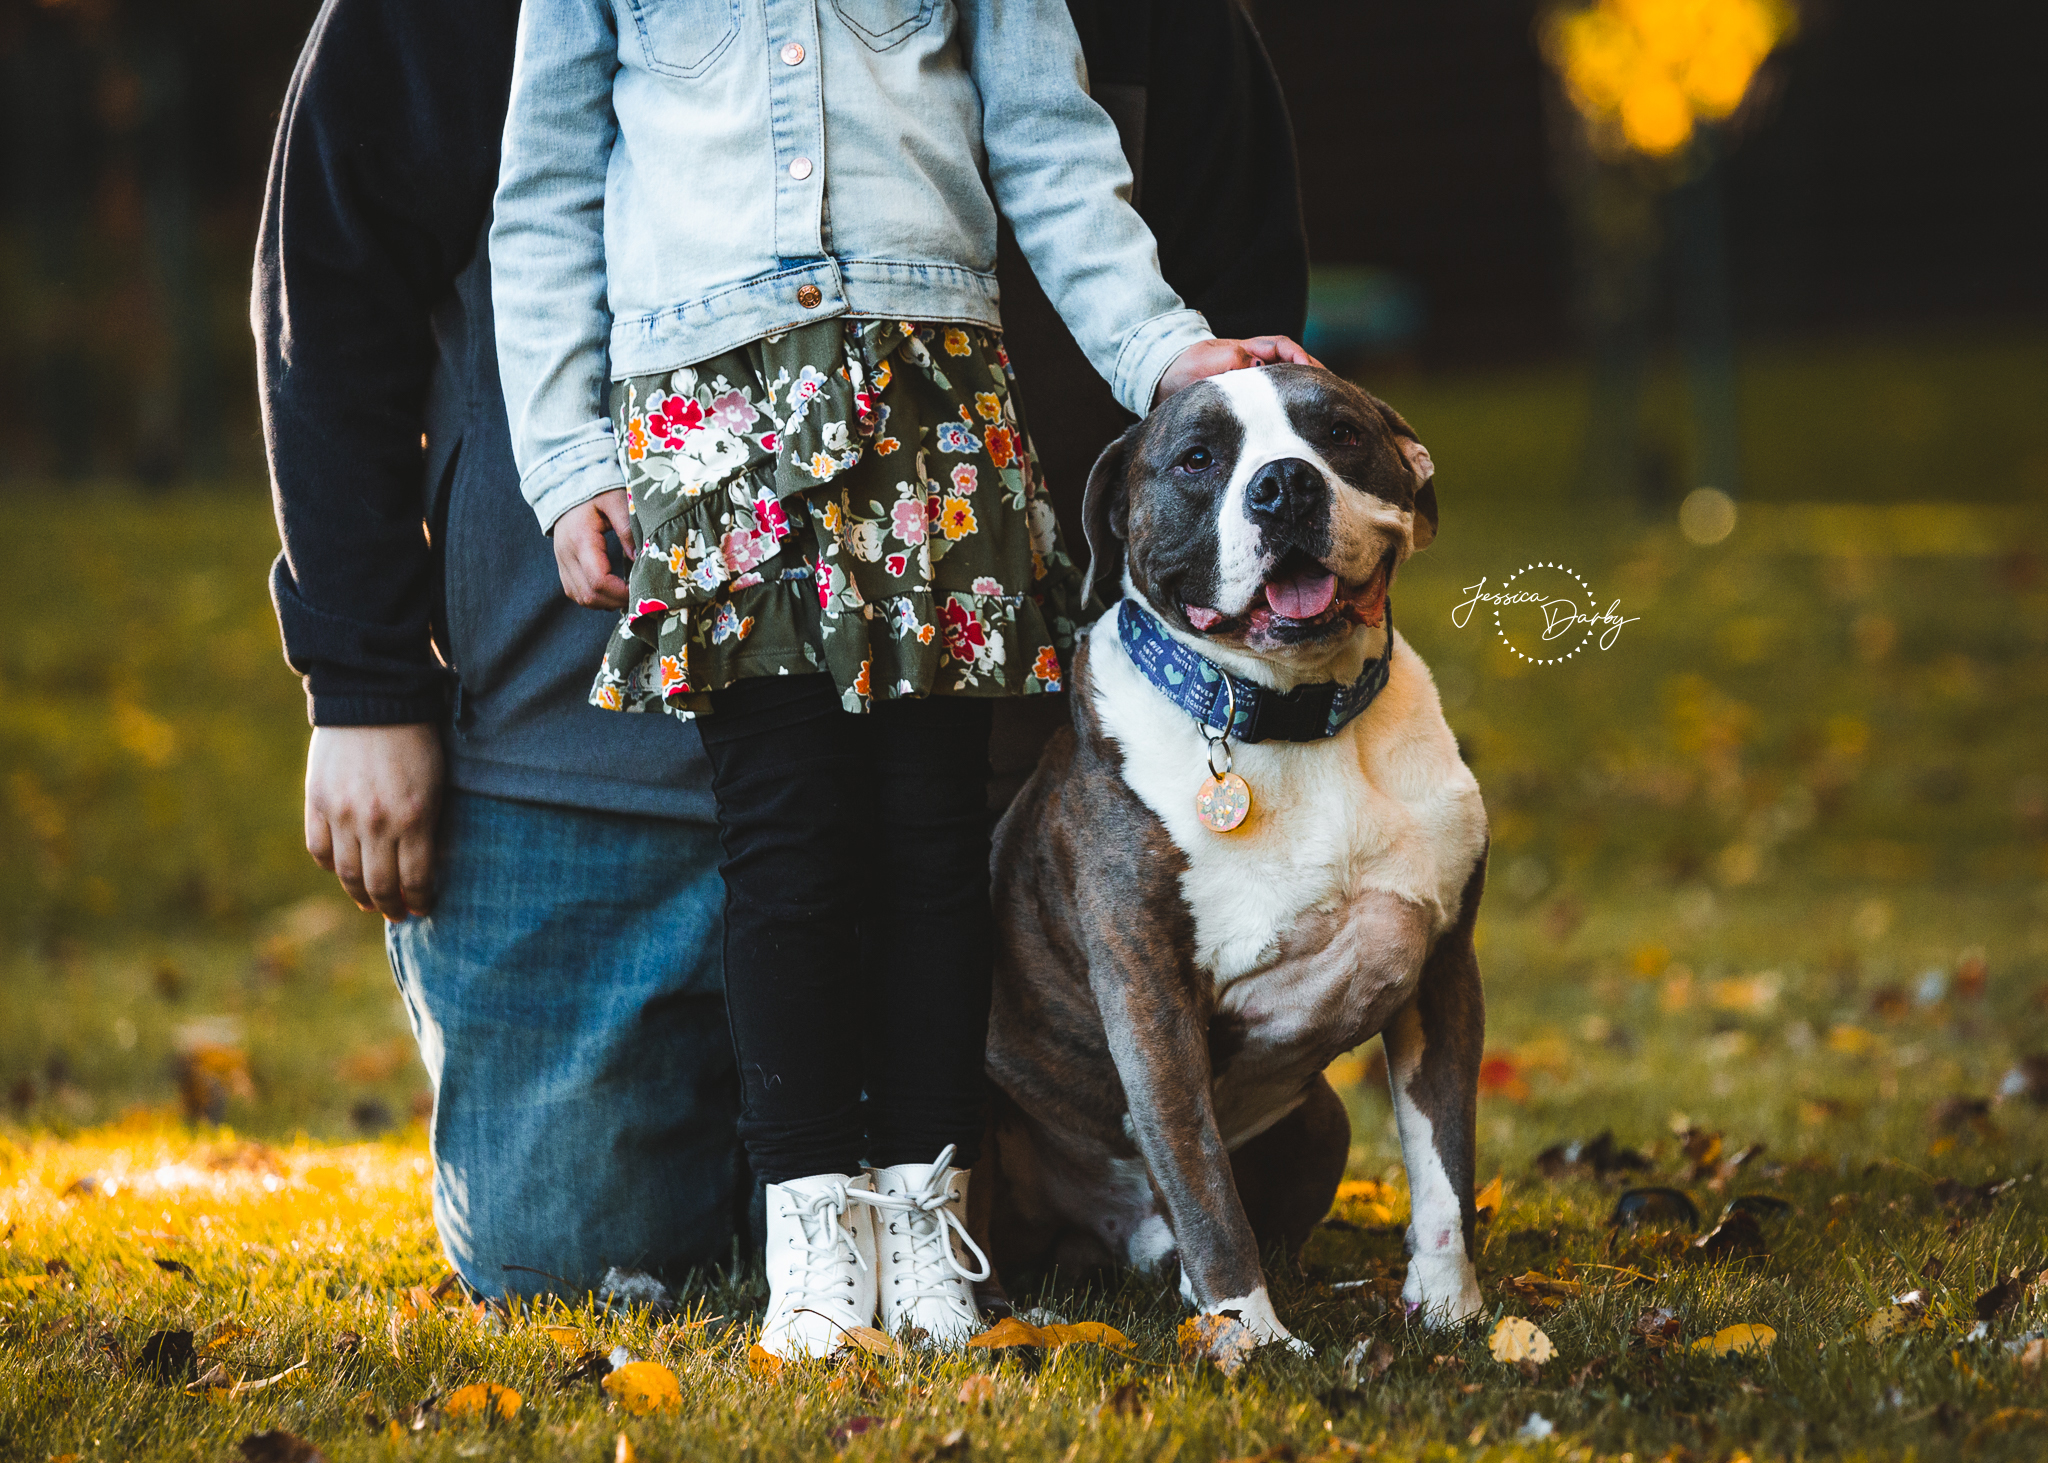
[
  {"x": 1105, "y": 508},
  {"x": 1417, "y": 457}
]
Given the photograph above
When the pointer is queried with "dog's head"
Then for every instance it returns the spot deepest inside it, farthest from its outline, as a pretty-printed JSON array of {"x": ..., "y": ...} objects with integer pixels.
[{"x": 1264, "y": 510}]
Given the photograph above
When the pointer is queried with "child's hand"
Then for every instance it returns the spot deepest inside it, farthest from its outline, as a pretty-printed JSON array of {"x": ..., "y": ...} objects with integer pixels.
[
  {"x": 580, "y": 555},
  {"x": 1214, "y": 357}
]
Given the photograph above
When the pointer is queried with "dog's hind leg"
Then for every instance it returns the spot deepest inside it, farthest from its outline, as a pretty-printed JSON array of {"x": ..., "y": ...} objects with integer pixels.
[
  {"x": 1433, "y": 1046},
  {"x": 1287, "y": 1177}
]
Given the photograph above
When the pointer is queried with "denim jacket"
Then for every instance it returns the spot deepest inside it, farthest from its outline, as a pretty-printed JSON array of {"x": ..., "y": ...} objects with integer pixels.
[{"x": 681, "y": 177}]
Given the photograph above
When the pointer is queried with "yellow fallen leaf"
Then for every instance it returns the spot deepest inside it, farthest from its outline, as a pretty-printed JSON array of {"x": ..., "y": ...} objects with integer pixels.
[
  {"x": 1886, "y": 1321},
  {"x": 1851, "y": 1041},
  {"x": 765, "y": 1364},
  {"x": 1370, "y": 1190},
  {"x": 642, "y": 1387},
  {"x": 1068, "y": 1332},
  {"x": 622, "y": 1451},
  {"x": 1730, "y": 1340},
  {"x": 1490, "y": 1197},
  {"x": 875, "y": 1342},
  {"x": 1010, "y": 1331},
  {"x": 1222, "y": 1339},
  {"x": 482, "y": 1400},
  {"x": 567, "y": 1337},
  {"x": 1516, "y": 1339}
]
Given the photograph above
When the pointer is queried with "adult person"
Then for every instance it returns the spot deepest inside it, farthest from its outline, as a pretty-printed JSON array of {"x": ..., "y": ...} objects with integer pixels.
[{"x": 525, "y": 847}]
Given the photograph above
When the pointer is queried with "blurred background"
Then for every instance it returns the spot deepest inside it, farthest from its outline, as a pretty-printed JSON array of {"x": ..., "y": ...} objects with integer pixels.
[{"x": 1783, "y": 848}]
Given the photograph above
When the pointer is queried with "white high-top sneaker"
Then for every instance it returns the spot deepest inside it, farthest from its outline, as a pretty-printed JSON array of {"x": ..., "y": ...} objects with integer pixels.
[
  {"x": 821, "y": 1264},
  {"x": 920, "y": 1233}
]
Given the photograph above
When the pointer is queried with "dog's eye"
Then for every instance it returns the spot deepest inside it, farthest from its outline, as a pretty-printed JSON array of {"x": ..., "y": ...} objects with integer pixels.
[
  {"x": 1195, "y": 459},
  {"x": 1344, "y": 434}
]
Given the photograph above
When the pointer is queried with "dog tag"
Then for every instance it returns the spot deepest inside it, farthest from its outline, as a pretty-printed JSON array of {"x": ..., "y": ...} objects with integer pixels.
[{"x": 1223, "y": 802}]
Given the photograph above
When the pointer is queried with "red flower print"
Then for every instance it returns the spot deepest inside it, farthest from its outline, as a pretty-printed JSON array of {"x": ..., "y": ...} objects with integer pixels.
[
  {"x": 674, "y": 419},
  {"x": 645, "y": 607},
  {"x": 769, "y": 441},
  {"x": 826, "y": 576},
  {"x": 1002, "y": 445},
  {"x": 897, "y": 564},
  {"x": 964, "y": 633},
  {"x": 743, "y": 550},
  {"x": 772, "y": 518}
]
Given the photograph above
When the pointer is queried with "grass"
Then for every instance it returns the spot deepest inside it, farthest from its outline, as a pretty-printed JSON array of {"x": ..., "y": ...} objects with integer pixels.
[{"x": 1774, "y": 867}]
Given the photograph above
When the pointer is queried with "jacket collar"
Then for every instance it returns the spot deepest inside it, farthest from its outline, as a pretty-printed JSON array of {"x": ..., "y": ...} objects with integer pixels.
[{"x": 1206, "y": 691}]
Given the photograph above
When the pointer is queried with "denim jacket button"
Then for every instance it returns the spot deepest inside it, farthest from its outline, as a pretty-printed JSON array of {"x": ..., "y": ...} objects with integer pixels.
[
  {"x": 799, "y": 168},
  {"x": 793, "y": 54},
  {"x": 809, "y": 296}
]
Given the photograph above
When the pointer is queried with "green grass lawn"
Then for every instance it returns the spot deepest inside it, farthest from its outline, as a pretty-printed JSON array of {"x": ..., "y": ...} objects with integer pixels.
[{"x": 1774, "y": 867}]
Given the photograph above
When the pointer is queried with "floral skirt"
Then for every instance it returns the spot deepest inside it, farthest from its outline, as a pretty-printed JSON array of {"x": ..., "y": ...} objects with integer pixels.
[{"x": 856, "y": 497}]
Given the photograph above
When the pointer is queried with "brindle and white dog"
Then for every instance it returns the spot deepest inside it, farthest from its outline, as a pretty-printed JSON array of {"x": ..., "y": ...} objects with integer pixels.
[{"x": 1167, "y": 996}]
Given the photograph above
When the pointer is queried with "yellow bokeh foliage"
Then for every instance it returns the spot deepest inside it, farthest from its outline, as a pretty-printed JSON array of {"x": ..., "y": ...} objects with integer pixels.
[{"x": 1646, "y": 72}]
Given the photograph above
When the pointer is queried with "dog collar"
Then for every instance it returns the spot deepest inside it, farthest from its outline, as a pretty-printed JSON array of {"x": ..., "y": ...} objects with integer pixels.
[{"x": 1238, "y": 709}]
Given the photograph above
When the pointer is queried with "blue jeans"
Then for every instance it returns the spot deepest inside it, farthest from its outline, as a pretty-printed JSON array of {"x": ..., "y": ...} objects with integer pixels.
[{"x": 566, "y": 996}]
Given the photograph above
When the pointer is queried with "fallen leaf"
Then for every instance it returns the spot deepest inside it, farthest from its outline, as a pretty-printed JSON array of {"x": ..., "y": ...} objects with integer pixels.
[
  {"x": 852, "y": 1428},
  {"x": 485, "y": 1400},
  {"x": 175, "y": 1267},
  {"x": 1737, "y": 1237},
  {"x": 2001, "y": 1297},
  {"x": 567, "y": 1337},
  {"x": 1516, "y": 1340},
  {"x": 763, "y": 1363},
  {"x": 1127, "y": 1400},
  {"x": 1488, "y": 1200},
  {"x": 168, "y": 1356},
  {"x": 1010, "y": 1331},
  {"x": 1851, "y": 1041},
  {"x": 878, "y": 1343},
  {"x": 954, "y": 1444},
  {"x": 1066, "y": 1333},
  {"x": 2005, "y": 1419},
  {"x": 1366, "y": 1360},
  {"x": 1656, "y": 1328},
  {"x": 978, "y": 1390},
  {"x": 23, "y": 1282},
  {"x": 1501, "y": 1074},
  {"x": 622, "y": 1451},
  {"x": 2036, "y": 1352},
  {"x": 856, "y": 1376},
  {"x": 1595, "y": 1156},
  {"x": 1732, "y": 1340},
  {"x": 1654, "y": 1206},
  {"x": 271, "y": 1381},
  {"x": 279, "y": 1446},
  {"x": 1224, "y": 1340},
  {"x": 642, "y": 1387},
  {"x": 1545, "y": 1290}
]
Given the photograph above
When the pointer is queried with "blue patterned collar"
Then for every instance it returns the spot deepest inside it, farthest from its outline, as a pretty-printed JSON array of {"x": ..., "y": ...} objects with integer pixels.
[{"x": 1205, "y": 691}]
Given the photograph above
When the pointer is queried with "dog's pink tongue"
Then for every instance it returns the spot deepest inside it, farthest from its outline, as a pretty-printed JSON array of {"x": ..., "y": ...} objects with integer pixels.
[{"x": 1303, "y": 597}]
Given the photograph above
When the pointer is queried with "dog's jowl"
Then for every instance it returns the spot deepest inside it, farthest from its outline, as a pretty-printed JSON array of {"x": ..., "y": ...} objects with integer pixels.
[{"x": 1167, "y": 995}]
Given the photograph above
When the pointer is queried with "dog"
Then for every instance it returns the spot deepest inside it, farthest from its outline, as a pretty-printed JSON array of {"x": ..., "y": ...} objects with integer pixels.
[{"x": 1167, "y": 994}]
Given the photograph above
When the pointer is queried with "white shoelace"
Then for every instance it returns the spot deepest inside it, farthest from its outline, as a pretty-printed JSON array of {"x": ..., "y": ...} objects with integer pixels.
[
  {"x": 826, "y": 1247},
  {"x": 931, "y": 1224}
]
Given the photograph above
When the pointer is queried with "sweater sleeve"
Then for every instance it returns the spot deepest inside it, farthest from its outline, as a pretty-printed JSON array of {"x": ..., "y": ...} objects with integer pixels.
[
  {"x": 379, "y": 184},
  {"x": 1058, "y": 173}
]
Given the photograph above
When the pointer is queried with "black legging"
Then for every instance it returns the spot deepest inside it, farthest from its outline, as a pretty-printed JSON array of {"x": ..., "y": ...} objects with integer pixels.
[{"x": 858, "y": 936}]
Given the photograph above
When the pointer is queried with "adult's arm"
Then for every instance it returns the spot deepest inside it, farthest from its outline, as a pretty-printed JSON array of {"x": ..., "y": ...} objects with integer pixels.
[
  {"x": 379, "y": 185},
  {"x": 548, "y": 258}
]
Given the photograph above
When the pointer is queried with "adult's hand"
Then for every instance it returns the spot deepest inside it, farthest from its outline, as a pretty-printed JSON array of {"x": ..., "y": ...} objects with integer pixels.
[
  {"x": 580, "y": 555},
  {"x": 1213, "y": 357},
  {"x": 373, "y": 797}
]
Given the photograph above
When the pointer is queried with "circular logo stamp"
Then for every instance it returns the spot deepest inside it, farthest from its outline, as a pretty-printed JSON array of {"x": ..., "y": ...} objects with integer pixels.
[{"x": 1544, "y": 613}]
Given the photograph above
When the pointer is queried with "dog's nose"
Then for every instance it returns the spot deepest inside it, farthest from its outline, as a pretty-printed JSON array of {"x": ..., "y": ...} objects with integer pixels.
[{"x": 1281, "y": 486}]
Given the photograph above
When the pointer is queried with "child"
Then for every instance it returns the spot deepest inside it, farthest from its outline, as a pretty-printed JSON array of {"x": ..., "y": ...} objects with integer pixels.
[{"x": 743, "y": 260}]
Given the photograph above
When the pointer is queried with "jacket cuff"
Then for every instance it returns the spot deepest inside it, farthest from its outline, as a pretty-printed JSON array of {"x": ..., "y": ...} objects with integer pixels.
[
  {"x": 1149, "y": 350},
  {"x": 573, "y": 476},
  {"x": 354, "y": 710}
]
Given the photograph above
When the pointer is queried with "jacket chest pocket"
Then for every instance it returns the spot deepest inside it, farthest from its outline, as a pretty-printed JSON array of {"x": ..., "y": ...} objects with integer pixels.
[
  {"x": 885, "y": 24},
  {"x": 683, "y": 37}
]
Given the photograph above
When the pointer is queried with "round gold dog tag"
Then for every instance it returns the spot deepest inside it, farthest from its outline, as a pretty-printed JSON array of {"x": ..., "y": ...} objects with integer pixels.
[{"x": 1223, "y": 802}]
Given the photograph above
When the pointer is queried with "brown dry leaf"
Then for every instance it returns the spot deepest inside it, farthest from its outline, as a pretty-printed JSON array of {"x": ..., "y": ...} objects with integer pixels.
[
  {"x": 1010, "y": 1331},
  {"x": 763, "y": 1363},
  {"x": 852, "y": 1428},
  {"x": 485, "y": 1400},
  {"x": 856, "y": 1376},
  {"x": 1544, "y": 1290},
  {"x": 1516, "y": 1339},
  {"x": 1126, "y": 1401},
  {"x": 642, "y": 1387},
  {"x": 878, "y": 1343},
  {"x": 567, "y": 1337},
  {"x": 1490, "y": 1197},
  {"x": 1224, "y": 1340},
  {"x": 227, "y": 1333},
  {"x": 1734, "y": 1340},
  {"x": 2034, "y": 1355},
  {"x": 978, "y": 1390},
  {"x": 1066, "y": 1333},
  {"x": 262, "y": 1383},
  {"x": 279, "y": 1446}
]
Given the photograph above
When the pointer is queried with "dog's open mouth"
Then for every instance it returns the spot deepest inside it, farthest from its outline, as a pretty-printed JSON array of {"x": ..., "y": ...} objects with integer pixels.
[{"x": 1301, "y": 597}]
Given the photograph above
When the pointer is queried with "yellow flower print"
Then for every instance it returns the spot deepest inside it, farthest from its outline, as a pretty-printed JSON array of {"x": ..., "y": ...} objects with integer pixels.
[
  {"x": 988, "y": 404},
  {"x": 883, "y": 375},
  {"x": 956, "y": 519},
  {"x": 636, "y": 439},
  {"x": 822, "y": 465},
  {"x": 924, "y": 634},
  {"x": 609, "y": 699},
  {"x": 860, "y": 682},
  {"x": 1046, "y": 669},
  {"x": 832, "y": 517},
  {"x": 887, "y": 445},
  {"x": 678, "y": 561},
  {"x": 956, "y": 342}
]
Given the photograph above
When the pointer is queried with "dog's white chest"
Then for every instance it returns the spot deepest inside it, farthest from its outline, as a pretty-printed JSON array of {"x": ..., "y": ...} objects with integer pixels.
[{"x": 1385, "y": 805}]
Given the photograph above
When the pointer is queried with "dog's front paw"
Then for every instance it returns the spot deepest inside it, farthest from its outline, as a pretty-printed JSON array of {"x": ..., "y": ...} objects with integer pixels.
[
  {"x": 1250, "y": 1321},
  {"x": 1446, "y": 1287}
]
